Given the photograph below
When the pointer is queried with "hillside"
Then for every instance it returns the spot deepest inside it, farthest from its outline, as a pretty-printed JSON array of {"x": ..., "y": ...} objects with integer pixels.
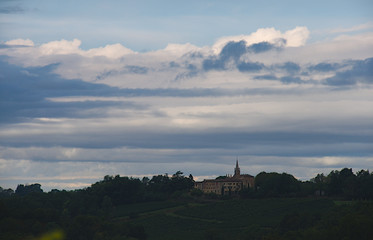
[{"x": 163, "y": 207}]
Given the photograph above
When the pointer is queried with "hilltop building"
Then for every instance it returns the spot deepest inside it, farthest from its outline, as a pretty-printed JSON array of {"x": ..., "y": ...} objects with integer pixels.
[{"x": 230, "y": 185}]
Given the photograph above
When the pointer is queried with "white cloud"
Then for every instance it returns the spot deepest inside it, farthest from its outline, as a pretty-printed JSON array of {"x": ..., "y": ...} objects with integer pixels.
[
  {"x": 365, "y": 26},
  {"x": 66, "y": 47},
  {"x": 20, "y": 42},
  {"x": 60, "y": 47},
  {"x": 196, "y": 123},
  {"x": 110, "y": 51},
  {"x": 73, "y": 175},
  {"x": 109, "y": 64},
  {"x": 178, "y": 50},
  {"x": 294, "y": 38},
  {"x": 338, "y": 49}
]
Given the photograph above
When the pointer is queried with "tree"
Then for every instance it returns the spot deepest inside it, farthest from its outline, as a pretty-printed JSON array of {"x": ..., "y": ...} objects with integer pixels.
[
  {"x": 137, "y": 232},
  {"x": 107, "y": 205},
  {"x": 6, "y": 192},
  {"x": 27, "y": 189},
  {"x": 275, "y": 184},
  {"x": 178, "y": 174},
  {"x": 342, "y": 183},
  {"x": 364, "y": 184},
  {"x": 221, "y": 177},
  {"x": 145, "y": 180},
  {"x": 179, "y": 182},
  {"x": 320, "y": 182},
  {"x": 191, "y": 177}
]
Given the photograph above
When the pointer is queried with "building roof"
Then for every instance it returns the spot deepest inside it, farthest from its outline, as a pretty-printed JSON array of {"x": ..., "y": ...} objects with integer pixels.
[
  {"x": 235, "y": 178},
  {"x": 243, "y": 175}
]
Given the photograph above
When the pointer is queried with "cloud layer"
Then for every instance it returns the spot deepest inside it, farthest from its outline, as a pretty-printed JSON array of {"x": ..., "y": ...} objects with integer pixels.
[{"x": 270, "y": 98}]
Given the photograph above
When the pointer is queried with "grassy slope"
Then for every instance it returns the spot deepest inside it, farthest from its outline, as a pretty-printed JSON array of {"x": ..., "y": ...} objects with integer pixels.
[{"x": 235, "y": 219}]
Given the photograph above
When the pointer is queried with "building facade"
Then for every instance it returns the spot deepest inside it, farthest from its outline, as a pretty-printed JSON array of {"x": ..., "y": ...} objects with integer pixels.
[{"x": 231, "y": 185}]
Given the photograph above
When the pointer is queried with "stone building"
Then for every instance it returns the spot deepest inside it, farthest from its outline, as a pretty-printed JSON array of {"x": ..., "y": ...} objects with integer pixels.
[{"x": 230, "y": 185}]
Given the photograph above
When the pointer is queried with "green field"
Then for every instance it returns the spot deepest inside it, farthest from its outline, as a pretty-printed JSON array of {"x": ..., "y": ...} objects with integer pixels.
[{"x": 230, "y": 219}]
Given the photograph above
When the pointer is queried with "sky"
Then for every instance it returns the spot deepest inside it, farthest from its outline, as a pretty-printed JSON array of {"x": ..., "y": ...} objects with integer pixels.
[{"x": 141, "y": 88}]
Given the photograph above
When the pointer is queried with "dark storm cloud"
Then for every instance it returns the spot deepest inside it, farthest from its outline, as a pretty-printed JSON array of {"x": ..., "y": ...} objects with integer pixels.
[
  {"x": 267, "y": 143},
  {"x": 361, "y": 72},
  {"x": 24, "y": 93},
  {"x": 233, "y": 51},
  {"x": 40, "y": 82}
]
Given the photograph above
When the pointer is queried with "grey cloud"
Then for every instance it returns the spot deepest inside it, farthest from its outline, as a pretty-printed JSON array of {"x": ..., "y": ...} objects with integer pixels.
[
  {"x": 277, "y": 143},
  {"x": 361, "y": 72},
  {"x": 193, "y": 55},
  {"x": 2, "y": 45},
  {"x": 191, "y": 67},
  {"x": 46, "y": 109},
  {"x": 325, "y": 67},
  {"x": 132, "y": 69},
  {"x": 213, "y": 64},
  {"x": 250, "y": 66},
  {"x": 9, "y": 46},
  {"x": 24, "y": 94},
  {"x": 290, "y": 79},
  {"x": 261, "y": 47},
  {"x": 106, "y": 74},
  {"x": 266, "y": 77},
  {"x": 266, "y": 46},
  {"x": 192, "y": 71},
  {"x": 197, "y": 92},
  {"x": 137, "y": 69},
  {"x": 11, "y": 10},
  {"x": 290, "y": 67},
  {"x": 233, "y": 51},
  {"x": 173, "y": 64},
  {"x": 186, "y": 75}
]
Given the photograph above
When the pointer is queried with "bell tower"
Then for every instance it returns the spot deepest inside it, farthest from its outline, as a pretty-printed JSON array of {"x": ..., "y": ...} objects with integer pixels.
[{"x": 237, "y": 170}]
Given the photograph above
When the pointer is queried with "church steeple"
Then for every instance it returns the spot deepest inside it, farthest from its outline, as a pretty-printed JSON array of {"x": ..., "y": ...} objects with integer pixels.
[{"x": 237, "y": 170}]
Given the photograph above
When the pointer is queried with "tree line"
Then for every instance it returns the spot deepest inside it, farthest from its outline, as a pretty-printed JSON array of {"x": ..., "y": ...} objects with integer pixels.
[
  {"x": 338, "y": 184},
  {"x": 83, "y": 214}
]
